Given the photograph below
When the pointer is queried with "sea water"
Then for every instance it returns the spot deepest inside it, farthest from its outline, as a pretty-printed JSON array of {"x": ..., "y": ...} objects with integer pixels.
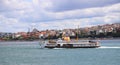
[{"x": 29, "y": 53}]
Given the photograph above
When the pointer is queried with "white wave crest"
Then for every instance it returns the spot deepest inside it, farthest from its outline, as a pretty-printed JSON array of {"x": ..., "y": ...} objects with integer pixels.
[
  {"x": 109, "y": 47},
  {"x": 58, "y": 48}
]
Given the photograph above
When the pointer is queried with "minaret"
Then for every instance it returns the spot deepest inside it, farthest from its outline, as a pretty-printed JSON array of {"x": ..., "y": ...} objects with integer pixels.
[{"x": 77, "y": 33}]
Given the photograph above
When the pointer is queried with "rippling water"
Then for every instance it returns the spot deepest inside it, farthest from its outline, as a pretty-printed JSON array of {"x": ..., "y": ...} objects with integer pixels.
[{"x": 29, "y": 53}]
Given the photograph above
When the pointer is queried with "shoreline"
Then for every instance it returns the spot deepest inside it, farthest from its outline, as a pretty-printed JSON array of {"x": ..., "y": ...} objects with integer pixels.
[{"x": 56, "y": 39}]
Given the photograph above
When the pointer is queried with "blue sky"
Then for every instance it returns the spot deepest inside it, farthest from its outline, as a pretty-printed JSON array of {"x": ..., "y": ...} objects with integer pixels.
[{"x": 19, "y": 15}]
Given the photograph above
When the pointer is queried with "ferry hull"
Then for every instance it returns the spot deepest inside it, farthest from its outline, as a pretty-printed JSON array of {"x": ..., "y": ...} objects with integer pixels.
[{"x": 71, "y": 46}]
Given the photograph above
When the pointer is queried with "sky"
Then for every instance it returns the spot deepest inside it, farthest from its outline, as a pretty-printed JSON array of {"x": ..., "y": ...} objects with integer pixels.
[{"x": 21, "y": 15}]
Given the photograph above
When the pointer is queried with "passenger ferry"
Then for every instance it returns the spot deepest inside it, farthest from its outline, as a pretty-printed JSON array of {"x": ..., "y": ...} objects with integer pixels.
[{"x": 67, "y": 43}]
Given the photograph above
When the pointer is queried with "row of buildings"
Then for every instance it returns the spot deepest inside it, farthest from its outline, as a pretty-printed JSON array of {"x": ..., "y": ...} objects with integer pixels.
[{"x": 81, "y": 32}]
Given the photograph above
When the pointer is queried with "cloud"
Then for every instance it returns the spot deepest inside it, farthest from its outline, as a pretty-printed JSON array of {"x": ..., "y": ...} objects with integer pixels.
[
  {"x": 86, "y": 13},
  {"x": 60, "y": 5},
  {"x": 19, "y": 15},
  {"x": 74, "y": 23},
  {"x": 11, "y": 25},
  {"x": 36, "y": 11}
]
